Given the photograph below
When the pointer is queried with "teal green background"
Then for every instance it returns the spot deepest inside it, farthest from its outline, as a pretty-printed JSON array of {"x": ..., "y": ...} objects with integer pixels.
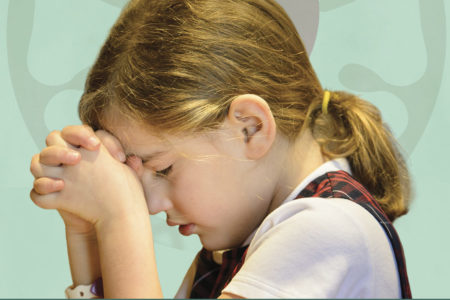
[{"x": 392, "y": 53}]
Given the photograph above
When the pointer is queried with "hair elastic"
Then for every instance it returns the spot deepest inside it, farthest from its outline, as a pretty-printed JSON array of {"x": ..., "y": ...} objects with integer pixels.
[{"x": 326, "y": 99}]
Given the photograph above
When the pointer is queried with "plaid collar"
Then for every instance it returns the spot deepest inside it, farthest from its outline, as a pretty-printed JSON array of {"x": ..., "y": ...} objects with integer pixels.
[{"x": 211, "y": 278}]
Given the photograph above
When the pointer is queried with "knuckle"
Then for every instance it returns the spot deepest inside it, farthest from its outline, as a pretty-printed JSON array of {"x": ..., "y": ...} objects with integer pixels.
[
  {"x": 86, "y": 129},
  {"x": 66, "y": 130},
  {"x": 34, "y": 164},
  {"x": 51, "y": 153},
  {"x": 33, "y": 169},
  {"x": 33, "y": 196},
  {"x": 51, "y": 136},
  {"x": 41, "y": 186},
  {"x": 38, "y": 199},
  {"x": 35, "y": 158},
  {"x": 37, "y": 186}
]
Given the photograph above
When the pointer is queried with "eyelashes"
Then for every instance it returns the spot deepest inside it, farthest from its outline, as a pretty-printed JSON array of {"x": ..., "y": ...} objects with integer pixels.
[
  {"x": 161, "y": 173},
  {"x": 164, "y": 173}
]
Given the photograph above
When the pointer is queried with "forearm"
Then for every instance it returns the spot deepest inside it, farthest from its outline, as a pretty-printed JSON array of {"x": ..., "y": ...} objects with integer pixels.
[
  {"x": 127, "y": 258},
  {"x": 83, "y": 257}
]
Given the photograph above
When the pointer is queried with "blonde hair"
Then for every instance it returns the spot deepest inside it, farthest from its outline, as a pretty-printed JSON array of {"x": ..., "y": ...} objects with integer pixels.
[
  {"x": 353, "y": 128},
  {"x": 176, "y": 65}
]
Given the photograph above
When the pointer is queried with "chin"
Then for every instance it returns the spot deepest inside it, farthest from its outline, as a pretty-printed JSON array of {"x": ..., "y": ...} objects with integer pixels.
[{"x": 216, "y": 244}]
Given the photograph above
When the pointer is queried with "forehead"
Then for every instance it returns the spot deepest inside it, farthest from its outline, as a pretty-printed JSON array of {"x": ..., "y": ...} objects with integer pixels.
[
  {"x": 145, "y": 141},
  {"x": 134, "y": 136}
]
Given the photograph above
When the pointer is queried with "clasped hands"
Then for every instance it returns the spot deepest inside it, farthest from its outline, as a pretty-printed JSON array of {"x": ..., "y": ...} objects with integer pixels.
[{"x": 85, "y": 177}]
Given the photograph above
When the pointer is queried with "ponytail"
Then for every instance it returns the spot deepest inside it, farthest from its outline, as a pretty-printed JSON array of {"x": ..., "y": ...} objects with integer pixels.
[{"x": 353, "y": 128}]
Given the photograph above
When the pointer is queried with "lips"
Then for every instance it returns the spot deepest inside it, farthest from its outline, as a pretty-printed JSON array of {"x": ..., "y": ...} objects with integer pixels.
[
  {"x": 170, "y": 223},
  {"x": 187, "y": 229},
  {"x": 184, "y": 229}
]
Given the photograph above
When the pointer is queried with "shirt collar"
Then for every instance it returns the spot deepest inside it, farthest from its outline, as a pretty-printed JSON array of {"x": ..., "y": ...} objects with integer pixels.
[{"x": 338, "y": 164}]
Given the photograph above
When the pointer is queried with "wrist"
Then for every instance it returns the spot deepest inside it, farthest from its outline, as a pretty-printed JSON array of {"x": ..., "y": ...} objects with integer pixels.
[
  {"x": 121, "y": 209},
  {"x": 82, "y": 248},
  {"x": 122, "y": 223},
  {"x": 128, "y": 263},
  {"x": 87, "y": 236}
]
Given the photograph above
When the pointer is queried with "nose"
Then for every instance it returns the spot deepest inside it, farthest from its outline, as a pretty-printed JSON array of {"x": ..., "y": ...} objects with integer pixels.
[{"x": 156, "y": 193}]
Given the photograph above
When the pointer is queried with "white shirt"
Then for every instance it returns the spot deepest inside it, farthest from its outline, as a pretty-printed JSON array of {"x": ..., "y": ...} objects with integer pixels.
[{"x": 318, "y": 248}]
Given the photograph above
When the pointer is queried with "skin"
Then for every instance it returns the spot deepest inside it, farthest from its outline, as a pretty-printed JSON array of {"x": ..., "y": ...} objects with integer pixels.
[{"x": 222, "y": 207}]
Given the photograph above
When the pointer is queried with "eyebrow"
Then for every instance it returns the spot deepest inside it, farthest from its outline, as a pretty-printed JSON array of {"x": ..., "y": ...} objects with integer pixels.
[{"x": 145, "y": 157}]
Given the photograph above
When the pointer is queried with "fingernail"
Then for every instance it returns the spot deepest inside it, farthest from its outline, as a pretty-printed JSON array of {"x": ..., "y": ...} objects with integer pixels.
[
  {"x": 73, "y": 155},
  {"x": 121, "y": 157},
  {"x": 93, "y": 141}
]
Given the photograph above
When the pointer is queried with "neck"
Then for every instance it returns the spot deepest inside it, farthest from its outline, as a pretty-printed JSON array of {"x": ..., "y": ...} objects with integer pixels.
[{"x": 301, "y": 158}]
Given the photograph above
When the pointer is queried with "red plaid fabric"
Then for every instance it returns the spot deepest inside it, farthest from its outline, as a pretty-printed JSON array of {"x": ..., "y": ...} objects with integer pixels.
[
  {"x": 340, "y": 184},
  {"x": 211, "y": 278}
]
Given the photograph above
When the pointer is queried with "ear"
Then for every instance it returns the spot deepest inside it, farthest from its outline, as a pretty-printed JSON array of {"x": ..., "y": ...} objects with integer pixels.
[{"x": 251, "y": 117}]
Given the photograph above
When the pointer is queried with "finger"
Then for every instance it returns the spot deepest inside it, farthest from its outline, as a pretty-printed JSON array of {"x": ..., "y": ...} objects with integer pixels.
[
  {"x": 35, "y": 166},
  {"x": 112, "y": 144},
  {"x": 49, "y": 201},
  {"x": 54, "y": 138},
  {"x": 135, "y": 163},
  {"x": 46, "y": 185},
  {"x": 42, "y": 170},
  {"x": 57, "y": 155},
  {"x": 82, "y": 136}
]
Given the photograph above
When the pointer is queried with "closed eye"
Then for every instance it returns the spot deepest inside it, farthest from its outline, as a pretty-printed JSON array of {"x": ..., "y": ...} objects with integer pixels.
[{"x": 163, "y": 173}]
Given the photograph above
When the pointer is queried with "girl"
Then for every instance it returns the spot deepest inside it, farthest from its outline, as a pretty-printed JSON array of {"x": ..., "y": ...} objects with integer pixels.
[{"x": 210, "y": 111}]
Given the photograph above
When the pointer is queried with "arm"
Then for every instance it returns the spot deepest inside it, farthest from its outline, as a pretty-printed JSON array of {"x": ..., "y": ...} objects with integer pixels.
[
  {"x": 83, "y": 257},
  {"x": 81, "y": 238},
  {"x": 127, "y": 258},
  {"x": 108, "y": 194},
  {"x": 84, "y": 249},
  {"x": 80, "y": 235}
]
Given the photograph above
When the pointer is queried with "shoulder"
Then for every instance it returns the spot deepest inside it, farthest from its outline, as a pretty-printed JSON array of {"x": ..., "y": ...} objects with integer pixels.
[
  {"x": 314, "y": 247},
  {"x": 333, "y": 219}
]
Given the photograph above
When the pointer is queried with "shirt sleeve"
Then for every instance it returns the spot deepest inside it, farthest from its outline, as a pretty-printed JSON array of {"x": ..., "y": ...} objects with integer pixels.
[{"x": 305, "y": 249}]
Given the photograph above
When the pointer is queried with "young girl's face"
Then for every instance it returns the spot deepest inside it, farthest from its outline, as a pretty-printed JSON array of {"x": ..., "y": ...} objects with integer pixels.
[{"x": 203, "y": 183}]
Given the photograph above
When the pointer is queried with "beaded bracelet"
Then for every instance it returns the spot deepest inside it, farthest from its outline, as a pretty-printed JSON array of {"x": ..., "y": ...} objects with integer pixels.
[{"x": 90, "y": 291}]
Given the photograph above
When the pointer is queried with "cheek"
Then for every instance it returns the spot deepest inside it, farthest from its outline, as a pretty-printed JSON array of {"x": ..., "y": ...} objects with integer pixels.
[
  {"x": 206, "y": 188},
  {"x": 148, "y": 183},
  {"x": 190, "y": 191}
]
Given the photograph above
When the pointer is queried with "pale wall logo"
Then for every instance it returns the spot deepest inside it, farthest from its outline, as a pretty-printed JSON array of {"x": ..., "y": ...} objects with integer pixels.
[
  {"x": 419, "y": 97},
  {"x": 33, "y": 96}
]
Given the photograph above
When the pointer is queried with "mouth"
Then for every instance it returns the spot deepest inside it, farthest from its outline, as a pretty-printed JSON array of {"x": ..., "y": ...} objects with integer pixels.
[{"x": 184, "y": 229}]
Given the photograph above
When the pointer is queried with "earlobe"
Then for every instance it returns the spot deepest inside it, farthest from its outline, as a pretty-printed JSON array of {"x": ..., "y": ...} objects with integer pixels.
[{"x": 252, "y": 117}]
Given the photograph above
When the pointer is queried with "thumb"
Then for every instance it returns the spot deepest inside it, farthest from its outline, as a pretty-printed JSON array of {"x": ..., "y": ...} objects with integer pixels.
[
  {"x": 48, "y": 201},
  {"x": 112, "y": 144}
]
